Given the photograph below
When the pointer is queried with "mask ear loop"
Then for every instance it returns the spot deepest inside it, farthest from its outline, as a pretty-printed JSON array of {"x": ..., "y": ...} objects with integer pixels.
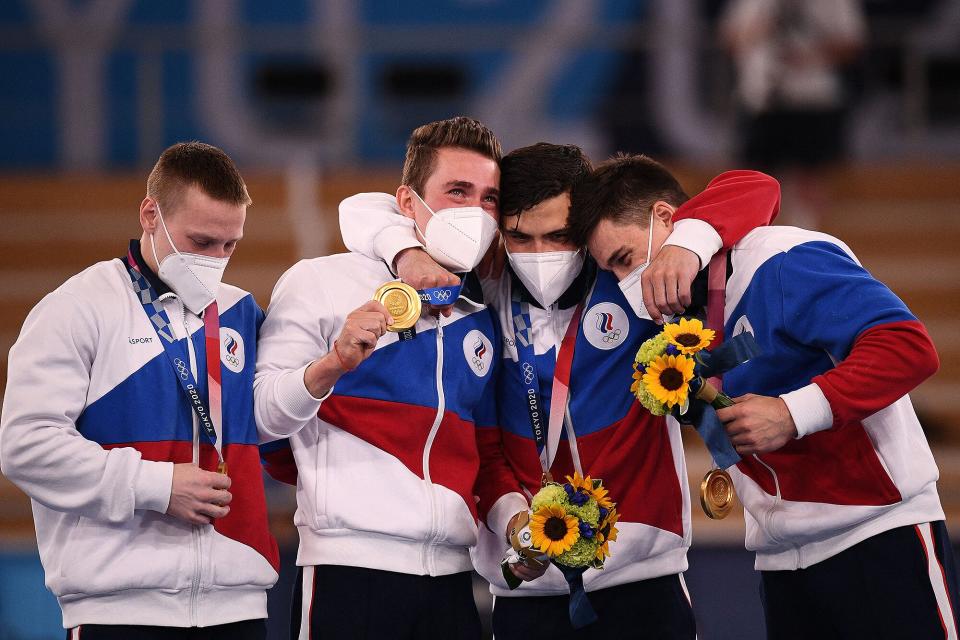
[
  {"x": 650, "y": 239},
  {"x": 422, "y": 234},
  {"x": 175, "y": 250}
]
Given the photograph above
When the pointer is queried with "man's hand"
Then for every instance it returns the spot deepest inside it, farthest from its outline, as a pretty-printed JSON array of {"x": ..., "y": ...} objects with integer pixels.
[
  {"x": 360, "y": 333},
  {"x": 198, "y": 496},
  {"x": 758, "y": 424},
  {"x": 420, "y": 271},
  {"x": 666, "y": 282},
  {"x": 527, "y": 569}
]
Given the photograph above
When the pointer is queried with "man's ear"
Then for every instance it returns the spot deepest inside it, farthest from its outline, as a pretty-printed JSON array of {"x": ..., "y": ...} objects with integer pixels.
[
  {"x": 405, "y": 201},
  {"x": 663, "y": 211},
  {"x": 148, "y": 215}
]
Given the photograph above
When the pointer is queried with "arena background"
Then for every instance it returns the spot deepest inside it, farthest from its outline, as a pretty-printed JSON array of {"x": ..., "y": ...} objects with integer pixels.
[{"x": 315, "y": 98}]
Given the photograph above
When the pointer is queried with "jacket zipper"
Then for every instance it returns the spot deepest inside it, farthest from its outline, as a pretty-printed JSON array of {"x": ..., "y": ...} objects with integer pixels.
[
  {"x": 196, "y": 533},
  {"x": 441, "y": 406}
]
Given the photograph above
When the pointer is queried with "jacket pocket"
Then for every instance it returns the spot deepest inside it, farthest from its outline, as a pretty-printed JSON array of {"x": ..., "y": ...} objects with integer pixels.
[{"x": 152, "y": 551}]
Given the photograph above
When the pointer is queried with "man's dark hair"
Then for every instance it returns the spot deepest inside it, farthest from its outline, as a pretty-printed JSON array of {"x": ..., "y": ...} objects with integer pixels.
[
  {"x": 460, "y": 132},
  {"x": 530, "y": 175},
  {"x": 196, "y": 164},
  {"x": 622, "y": 189}
]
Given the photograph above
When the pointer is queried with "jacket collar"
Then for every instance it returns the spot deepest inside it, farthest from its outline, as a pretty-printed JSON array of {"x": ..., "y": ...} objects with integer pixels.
[{"x": 159, "y": 286}]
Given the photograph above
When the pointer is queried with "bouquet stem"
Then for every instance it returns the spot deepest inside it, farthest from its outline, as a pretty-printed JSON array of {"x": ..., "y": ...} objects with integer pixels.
[{"x": 716, "y": 398}]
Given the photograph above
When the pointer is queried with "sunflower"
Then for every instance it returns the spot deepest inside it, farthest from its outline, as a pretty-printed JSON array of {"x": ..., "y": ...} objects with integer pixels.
[
  {"x": 667, "y": 379},
  {"x": 553, "y": 530},
  {"x": 602, "y": 496},
  {"x": 606, "y": 533},
  {"x": 593, "y": 488},
  {"x": 637, "y": 377},
  {"x": 579, "y": 482},
  {"x": 688, "y": 336}
]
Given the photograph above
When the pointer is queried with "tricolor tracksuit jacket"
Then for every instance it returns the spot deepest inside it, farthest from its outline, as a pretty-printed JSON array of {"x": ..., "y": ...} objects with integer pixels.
[
  {"x": 638, "y": 456},
  {"x": 386, "y": 462},
  {"x": 844, "y": 351},
  {"x": 93, "y": 420}
]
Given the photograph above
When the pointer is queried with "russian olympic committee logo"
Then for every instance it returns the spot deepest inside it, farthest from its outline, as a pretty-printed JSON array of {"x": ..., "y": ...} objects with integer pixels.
[
  {"x": 231, "y": 350},
  {"x": 181, "y": 368},
  {"x": 478, "y": 352},
  {"x": 606, "y": 326},
  {"x": 527, "y": 373}
]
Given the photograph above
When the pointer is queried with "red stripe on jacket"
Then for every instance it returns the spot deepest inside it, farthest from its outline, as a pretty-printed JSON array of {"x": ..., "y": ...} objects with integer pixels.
[{"x": 402, "y": 430}]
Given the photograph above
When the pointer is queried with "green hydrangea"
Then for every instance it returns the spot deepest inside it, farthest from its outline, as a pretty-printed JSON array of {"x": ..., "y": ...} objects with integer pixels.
[
  {"x": 550, "y": 494},
  {"x": 652, "y": 348},
  {"x": 649, "y": 402},
  {"x": 588, "y": 512},
  {"x": 581, "y": 554}
]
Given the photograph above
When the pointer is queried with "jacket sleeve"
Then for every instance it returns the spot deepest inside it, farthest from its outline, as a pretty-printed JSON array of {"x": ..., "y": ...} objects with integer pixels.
[
  {"x": 499, "y": 494},
  {"x": 295, "y": 332},
  {"x": 732, "y": 205},
  {"x": 371, "y": 224},
  {"x": 881, "y": 351},
  {"x": 41, "y": 450}
]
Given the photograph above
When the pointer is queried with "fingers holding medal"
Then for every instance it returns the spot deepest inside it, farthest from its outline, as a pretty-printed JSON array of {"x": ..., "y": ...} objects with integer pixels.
[{"x": 361, "y": 331}]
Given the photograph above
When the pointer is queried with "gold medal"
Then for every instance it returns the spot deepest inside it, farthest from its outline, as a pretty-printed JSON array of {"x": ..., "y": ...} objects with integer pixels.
[
  {"x": 402, "y": 302},
  {"x": 222, "y": 467},
  {"x": 716, "y": 494}
]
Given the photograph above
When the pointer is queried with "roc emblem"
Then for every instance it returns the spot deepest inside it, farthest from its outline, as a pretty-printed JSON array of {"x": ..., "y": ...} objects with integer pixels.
[
  {"x": 478, "y": 351},
  {"x": 231, "y": 350},
  {"x": 606, "y": 326}
]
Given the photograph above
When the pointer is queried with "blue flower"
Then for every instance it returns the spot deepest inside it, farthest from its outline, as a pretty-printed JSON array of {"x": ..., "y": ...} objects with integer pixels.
[
  {"x": 603, "y": 514},
  {"x": 576, "y": 497},
  {"x": 586, "y": 531},
  {"x": 672, "y": 350}
]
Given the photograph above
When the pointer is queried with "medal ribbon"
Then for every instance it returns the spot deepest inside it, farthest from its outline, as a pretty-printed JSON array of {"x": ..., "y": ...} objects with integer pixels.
[
  {"x": 210, "y": 419},
  {"x": 716, "y": 301},
  {"x": 440, "y": 296},
  {"x": 548, "y": 442}
]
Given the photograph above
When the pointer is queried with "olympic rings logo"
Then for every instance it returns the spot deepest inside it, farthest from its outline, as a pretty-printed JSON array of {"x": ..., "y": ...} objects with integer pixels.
[
  {"x": 181, "y": 368},
  {"x": 527, "y": 372},
  {"x": 612, "y": 336},
  {"x": 442, "y": 295}
]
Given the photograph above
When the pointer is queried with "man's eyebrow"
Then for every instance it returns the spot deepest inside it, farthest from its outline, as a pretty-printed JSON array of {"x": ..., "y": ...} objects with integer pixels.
[
  {"x": 514, "y": 232},
  {"x": 616, "y": 254},
  {"x": 463, "y": 184}
]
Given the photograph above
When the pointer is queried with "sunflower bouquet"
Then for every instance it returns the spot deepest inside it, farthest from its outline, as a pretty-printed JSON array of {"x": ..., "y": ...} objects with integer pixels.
[
  {"x": 664, "y": 371},
  {"x": 571, "y": 525}
]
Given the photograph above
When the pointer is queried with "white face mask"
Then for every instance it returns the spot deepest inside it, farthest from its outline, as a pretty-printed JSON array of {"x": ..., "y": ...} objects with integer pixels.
[
  {"x": 547, "y": 275},
  {"x": 632, "y": 288},
  {"x": 457, "y": 237},
  {"x": 193, "y": 277}
]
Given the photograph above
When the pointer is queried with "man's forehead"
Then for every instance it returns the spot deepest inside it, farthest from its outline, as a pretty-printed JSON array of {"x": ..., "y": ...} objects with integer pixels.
[
  {"x": 544, "y": 217},
  {"x": 464, "y": 166}
]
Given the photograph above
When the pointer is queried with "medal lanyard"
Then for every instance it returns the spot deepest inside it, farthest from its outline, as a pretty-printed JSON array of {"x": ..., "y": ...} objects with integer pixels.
[
  {"x": 209, "y": 413},
  {"x": 440, "y": 296},
  {"x": 716, "y": 301},
  {"x": 548, "y": 442}
]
